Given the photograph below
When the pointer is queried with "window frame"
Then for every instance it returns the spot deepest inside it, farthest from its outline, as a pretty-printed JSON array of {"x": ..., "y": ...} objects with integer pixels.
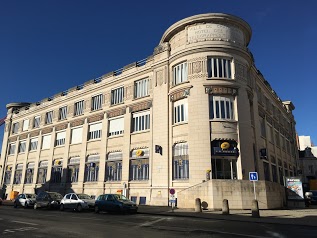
[
  {"x": 62, "y": 113},
  {"x": 117, "y": 95},
  {"x": 219, "y": 67},
  {"x": 143, "y": 124},
  {"x": 180, "y": 73},
  {"x": 221, "y": 107},
  {"x": 141, "y": 88},
  {"x": 79, "y": 108}
]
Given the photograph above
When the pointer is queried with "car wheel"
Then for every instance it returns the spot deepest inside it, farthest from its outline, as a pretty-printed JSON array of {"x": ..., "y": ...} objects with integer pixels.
[
  {"x": 79, "y": 208},
  {"x": 35, "y": 206},
  {"x": 97, "y": 210},
  {"x": 61, "y": 207},
  {"x": 26, "y": 205},
  {"x": 15, "y": 205}
]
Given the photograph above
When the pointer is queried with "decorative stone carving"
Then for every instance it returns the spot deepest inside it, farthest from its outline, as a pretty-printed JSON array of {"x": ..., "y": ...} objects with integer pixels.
[
  {"x": 221, "y": 90},
  {"x": 61, "y": 127},
  {"x": 23, "y": 136},
  {"x": 34, "y": 133},
  {"x": 129, "y": 91},
  {"x": 97, "y": 117},
  {"x": 107, "y": 98},
  {"x": 197, "y": 67},
  {"x": 47, "y": 130},
  {"x": 13, "y": 138},
  {"x": 140, "y": 106},
  {"x": 77, "y": 123},
  {"x": 87, "y": 104},
  {"x": 240, "y": 71},
  {"x": 159, "y": 78},
  {"x": 161, "y": 48},
  {"x": 180, "y": 94},
  {"x": 116, "y": 112}
]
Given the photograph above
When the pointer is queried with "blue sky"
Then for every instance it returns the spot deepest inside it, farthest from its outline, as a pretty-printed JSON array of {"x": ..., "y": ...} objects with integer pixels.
[{"x": 48, "y": 46}]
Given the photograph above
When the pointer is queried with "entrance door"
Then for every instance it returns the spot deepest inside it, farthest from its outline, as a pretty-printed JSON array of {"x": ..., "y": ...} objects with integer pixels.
[{"x": 224, "y": 168}]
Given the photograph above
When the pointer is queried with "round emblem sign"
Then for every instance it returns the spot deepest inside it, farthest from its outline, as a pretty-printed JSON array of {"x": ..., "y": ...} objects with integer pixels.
[
  {"x": 172, "y": 191},
  {"x": 225, "y": 145}
]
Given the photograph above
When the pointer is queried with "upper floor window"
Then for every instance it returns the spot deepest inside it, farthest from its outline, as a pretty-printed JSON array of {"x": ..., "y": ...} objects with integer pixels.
[
  {"x": 219, "y": 68},
  {"x": 25, "y": 126},
  {"x": 141, "y": 88},
  {"x": 96, "y": 102},
  {"x": 76, "y": 135},
  {"x": 33, "y": 144},
  {"x": 37, "y": 121},
  {"x": 49, "y": 117},
  {"x": 140, "y": 121},
  {"x": 180, "y": 111},
  {"x": 15, "y": 128},
  {"x": 221, "y": 107},
  {"x": 62, "y": 113},
  {"x": 22, "y": 146},
  {"x": 95, "y": 131},
  {"x": 11, "y": 148},
  {"x": 60, "y": 138},
  {"x": 46, "y": 142},
  {"x": 116, "y": 126},
  {"x": 180, "y": 73},
  {"x": 117, "y": 95},
  {"x": 79, "y": 108}
]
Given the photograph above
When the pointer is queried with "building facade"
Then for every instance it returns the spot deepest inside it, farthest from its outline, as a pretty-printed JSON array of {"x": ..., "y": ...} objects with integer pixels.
[{"x": 197, "y": 109}]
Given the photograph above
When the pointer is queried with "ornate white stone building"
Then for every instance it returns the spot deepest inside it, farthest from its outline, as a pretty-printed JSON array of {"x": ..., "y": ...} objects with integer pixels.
[{"x": 196, "y": 110}]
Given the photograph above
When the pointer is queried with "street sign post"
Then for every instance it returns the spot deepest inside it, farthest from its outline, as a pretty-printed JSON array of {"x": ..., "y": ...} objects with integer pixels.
[
  {"x": 253, "y": 176},
  {"x": 172, "y": 199}
]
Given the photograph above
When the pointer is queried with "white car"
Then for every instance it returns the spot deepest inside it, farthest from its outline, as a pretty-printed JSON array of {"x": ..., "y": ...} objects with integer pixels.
[
  {"x": 24, "y": 200},
  {"x": 77, "y": 201}
]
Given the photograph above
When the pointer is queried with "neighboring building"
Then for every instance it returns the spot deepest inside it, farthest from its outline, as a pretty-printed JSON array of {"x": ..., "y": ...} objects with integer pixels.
[
  {"x": 308, "y": 162},
  {"x": 196, "y": 109}
]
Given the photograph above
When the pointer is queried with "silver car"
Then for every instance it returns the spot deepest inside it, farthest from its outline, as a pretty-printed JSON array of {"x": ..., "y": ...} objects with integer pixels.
[
  {"x": 77, "y": 202},
  {"x": 24, "y": 200}
]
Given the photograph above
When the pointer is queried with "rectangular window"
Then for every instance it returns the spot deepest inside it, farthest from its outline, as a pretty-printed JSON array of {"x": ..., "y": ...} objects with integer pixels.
[
  {"x": 62, "y": 113},
  {"x": 73, "y": 172},
  {"x": 277, "y": 138},
  {"x": 180, "y": 111},
  {"x": 262, "y": 125},
  {"x": 22, "y": 147},
  {"x": 49, "y": 117},
  {"x": 79, "y": 108},
  {"x": 11, "y": 149},
  {"x": 7, "y": 176},
  {"x": 139, "y": 169},
  {"x": 270, "y": 133},
  {"x": 96, "y": 102},
  {"x": 114, "y": 166},
  {"x": 46, "y": 142},
  {"x": 219, "y": 68},
  {"x": 141, "y": 121},
  {"x": 180, "y": 161},
  {"x": 95, "y": 131},
  {"x": 41, "y": 177},
  {"x": 116, "y": 126},
  {"x": 33, "y": 144},
  {"x": 29, "y": 173},
  {"x": 141, "y": 88},
  {"x": 60, "y": 138},
  {"x": 56, "y": 174},
  {"x": 15, "y": 128},
  {"x": 76, "y": 135},
  {"x": 25, "y": 126},
  {"x": 221, "y": 107},
  {"x": 37, "y": 121},
  {"x": 117, "y": 95},
  {"x": 180, "y": 73},
  {"x": 266, "y": 167},
  {"x": 17, "y": 176},
  {"x": 91, "y": 172},
  {"x": 274, "y": 173}
]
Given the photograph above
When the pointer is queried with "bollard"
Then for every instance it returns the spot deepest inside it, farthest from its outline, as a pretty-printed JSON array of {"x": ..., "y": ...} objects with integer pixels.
[
  {"x": 198, "y": 205},
  {"x": 255, "y": 209},
  {"x": 225, "y": 207}
]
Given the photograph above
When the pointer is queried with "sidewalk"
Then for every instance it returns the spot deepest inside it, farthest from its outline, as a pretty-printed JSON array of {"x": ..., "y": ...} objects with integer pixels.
[{"x": 303, "y": 217}]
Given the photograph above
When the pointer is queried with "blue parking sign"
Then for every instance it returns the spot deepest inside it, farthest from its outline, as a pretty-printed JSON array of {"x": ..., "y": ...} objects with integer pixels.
[{"x": 253, "y": 176}]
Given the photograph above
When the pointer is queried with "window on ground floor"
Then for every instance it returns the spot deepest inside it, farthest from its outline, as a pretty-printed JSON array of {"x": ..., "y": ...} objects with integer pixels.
[
  {"x": 180, "y": 161},
  {"x": 224, "y": 168}
]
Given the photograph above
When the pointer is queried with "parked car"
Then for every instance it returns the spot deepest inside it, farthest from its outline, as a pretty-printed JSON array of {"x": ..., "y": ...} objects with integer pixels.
[
  {"x": 77, "y": 201},
  {"x": 115, "y": 203},
  {"x": 48, "y": 200},
  {"x": 24, "y": 200}
]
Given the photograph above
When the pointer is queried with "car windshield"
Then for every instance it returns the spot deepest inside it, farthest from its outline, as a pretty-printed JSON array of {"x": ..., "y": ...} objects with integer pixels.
[
  {"x": 56, "y": 195},
  {"x": 83, "y": 196},
  {"x": 30, "y": 195},
  {"x": 120, "y": 197}
]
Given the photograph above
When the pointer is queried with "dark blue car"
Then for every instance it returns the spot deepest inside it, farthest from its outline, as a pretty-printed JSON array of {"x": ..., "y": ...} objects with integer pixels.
[{"x": 115, "y": 203}]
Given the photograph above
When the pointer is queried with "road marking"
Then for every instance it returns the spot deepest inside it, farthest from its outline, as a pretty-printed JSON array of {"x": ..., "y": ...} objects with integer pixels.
[
  {"x": 27, "y": 223},
  {"x": 152, "y": 222},
  {"x": 18, "y": 229}
]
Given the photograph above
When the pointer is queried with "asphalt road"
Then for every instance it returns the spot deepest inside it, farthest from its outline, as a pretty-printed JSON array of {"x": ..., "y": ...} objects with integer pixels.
[{"x": 29, "y": 223}]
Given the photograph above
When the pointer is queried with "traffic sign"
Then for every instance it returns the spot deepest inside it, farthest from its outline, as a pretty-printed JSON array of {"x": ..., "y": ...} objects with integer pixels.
[
  {"x": 172, "y": 191},
  {"x": 253, "y": 176}
]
